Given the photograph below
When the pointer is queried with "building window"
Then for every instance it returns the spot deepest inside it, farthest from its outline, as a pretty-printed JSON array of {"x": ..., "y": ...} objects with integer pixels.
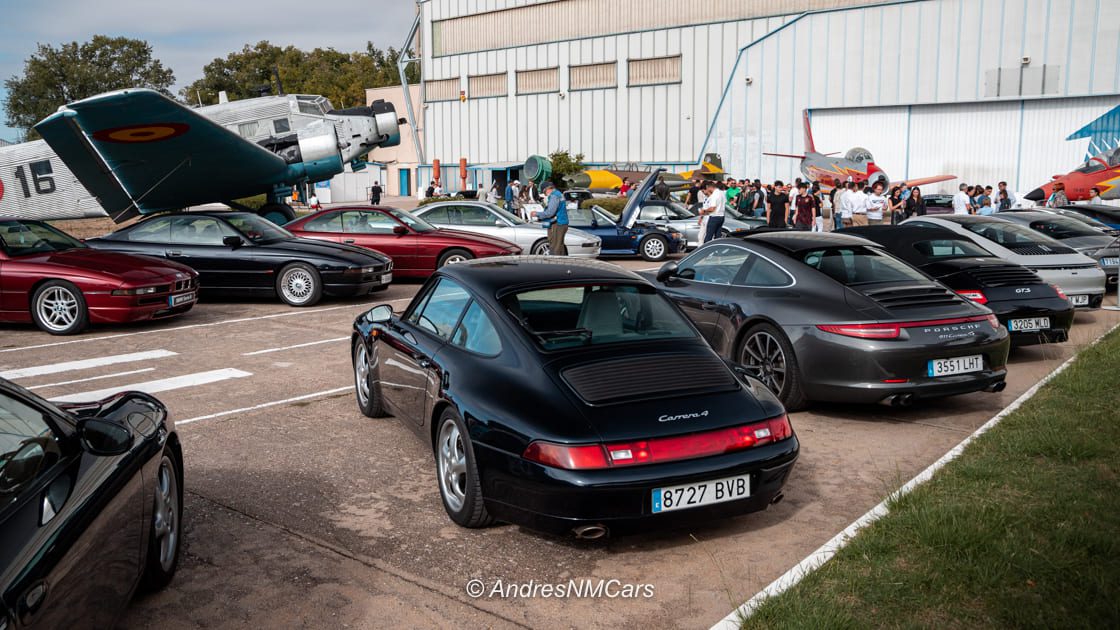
[
  {"x": 538, "y": 81},
  {"x": 442, "y": 90},
  {"x": 486, "y": 85},
  {"x": 596, "y": 76},
  {"x": 656, "y": 71}
]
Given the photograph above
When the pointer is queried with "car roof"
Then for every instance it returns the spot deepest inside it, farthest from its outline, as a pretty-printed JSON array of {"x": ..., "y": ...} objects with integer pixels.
[
  {"x": 1028, "y": 216},
  {"x": 796, "y": 241},
  {"x": 1098, "y": 207},
  {"x": 961, "y": 219},
  {"x": 892, "y": 236},
  {"x": 491, "y": 276},
  {"x": 213, "y": 214}
]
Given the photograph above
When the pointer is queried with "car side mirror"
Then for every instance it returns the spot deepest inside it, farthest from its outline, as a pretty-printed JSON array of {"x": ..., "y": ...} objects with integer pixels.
[
  {"x": 400, "y": 230},
  {"x": 21, "y": 468},
  {"x": 232, "y": 241},
  {"x": 594, "y": 223},
  {"x": 104, "y": 437},
  {"x": 668, "y": 270},
  {"x": 379, "y": 314},
  {"x": 499, "y": 224}
]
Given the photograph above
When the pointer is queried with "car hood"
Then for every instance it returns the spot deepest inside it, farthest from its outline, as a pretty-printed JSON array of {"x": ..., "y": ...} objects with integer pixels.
[
  {"x": 656, "y": 389},
  {"x": 127, "y": 267},
  {"x": 637, "y": 197},
  {"x": 1082, "y": 243},
  {"x": 351, "y": 254},
  {"x": 476, "y": 238},
  {"x": 572, "y": 232}
]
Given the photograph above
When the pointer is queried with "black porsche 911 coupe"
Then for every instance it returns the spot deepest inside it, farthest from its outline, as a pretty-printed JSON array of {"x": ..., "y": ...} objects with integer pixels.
[
  {"x": 1032, "y": 310},
  {"x": 831, "y": 317},
  {"x": 549, "y": 391},
  {"x": 243, "y": 253},
  {"x": 90, "y": 507}
]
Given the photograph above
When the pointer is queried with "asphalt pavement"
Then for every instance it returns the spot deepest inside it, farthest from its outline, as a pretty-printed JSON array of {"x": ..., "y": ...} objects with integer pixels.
[{"x": 302, "y": 512}]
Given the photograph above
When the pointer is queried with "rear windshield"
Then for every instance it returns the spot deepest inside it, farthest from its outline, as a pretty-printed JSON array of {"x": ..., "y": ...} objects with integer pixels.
[
  {"x": 1010, "y": 235},
  {"x": 1063, "y": 228},
  {"x": 860, "y": 265},
  {"x": 950, "y": 248},
  {"x": 596, "y": 314}
]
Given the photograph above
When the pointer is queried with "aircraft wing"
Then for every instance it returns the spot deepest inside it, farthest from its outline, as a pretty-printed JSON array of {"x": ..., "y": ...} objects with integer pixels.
[
  {"x": 139, "y": 151},
  {"x": 788, "y": 155},
  {"x": 922, "y": 181}
]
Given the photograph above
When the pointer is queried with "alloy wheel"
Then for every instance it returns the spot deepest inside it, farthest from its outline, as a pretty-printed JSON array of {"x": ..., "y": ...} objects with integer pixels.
[
  {"x": 455, "y": 258},
  {"x": 452, "y": 465},
  {"x": 361, "y": 374},
  {"x": 166, "y": 517},
  {"x": 58, "y": 308},
  {"x": 763, "y": 357},
  {"x": 298, "y": 285},
  {"x": 654, "y": 248}
]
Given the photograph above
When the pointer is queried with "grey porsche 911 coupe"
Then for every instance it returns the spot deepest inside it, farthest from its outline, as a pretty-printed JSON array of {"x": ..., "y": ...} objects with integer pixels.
[{"x": 829, "y": 317}]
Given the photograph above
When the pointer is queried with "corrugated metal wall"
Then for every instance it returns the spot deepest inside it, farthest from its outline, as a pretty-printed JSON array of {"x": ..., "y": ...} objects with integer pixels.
[
  {"x": 593, "y": 76},
  {"x": 485, "y": 85},
  {"x": 659, "y": 71},
  {"x": 538, "y": 81},
  {"x": 442, "y": 90}
]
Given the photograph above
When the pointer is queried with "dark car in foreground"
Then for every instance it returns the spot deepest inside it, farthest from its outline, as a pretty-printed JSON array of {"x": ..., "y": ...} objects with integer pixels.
[
  {"x": 1033, "y": 310},
  {"x": 830, "y": 317},
  {"x": 91, "y": 499},
  {"x": 54, "y": 280},
  {"x": 549, "y": 390},
  {"x": 239, "y": 252}
]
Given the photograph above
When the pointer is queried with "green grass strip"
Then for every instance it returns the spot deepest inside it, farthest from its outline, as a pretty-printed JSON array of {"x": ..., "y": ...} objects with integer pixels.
[{"x": 1021, "y": 531}]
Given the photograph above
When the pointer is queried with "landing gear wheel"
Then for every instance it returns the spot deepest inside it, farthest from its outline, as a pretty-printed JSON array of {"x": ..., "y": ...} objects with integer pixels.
[
  {"x": 540, "y": 248},
  {"x": 298, "y": 285},
  {"x": 452, "y": 256},
  {"x": 59, "y": 308},
  {"x": 164, "y": 535},
  {"x": 458, "y": 473},
  {"x": 278, "y": 213},
  {"x": 654, "y": 248},
  {"x": 367, "y": 388},
  {"x": 768, "y": 357}
]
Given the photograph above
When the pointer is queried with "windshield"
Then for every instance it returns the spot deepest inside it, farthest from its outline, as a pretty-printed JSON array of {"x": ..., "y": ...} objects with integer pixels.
[
  {"x": 508, "y": 216},
  {"x": 1008, "y": 234},
  {"x": 596, "y": 314},
  {"x": 411, "y": 220},
  {"x": 1062, "y": 228},
  {"x": 950, "y": 248},
  {"x": 258, "y": 229},
  {"x": 678, "y": 211},
  {"x": 860, "y": 265},
  {"x": 23, "y": 238}
]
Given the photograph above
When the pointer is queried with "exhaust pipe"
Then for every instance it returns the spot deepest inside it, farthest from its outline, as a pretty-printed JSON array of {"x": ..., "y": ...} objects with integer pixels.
[
  {"x": 995, "y": 388},
  {"x": 777, "y": 498},
  {"x": 590, "y": 532},
  {"x": 898, "y": 400}
]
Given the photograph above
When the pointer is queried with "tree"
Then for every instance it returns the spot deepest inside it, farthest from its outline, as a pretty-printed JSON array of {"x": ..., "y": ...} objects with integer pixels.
[
  {"x": 54, "y": 76},
  {"x": 563, "y": 164},
  {"x": 341, "y": 77}
]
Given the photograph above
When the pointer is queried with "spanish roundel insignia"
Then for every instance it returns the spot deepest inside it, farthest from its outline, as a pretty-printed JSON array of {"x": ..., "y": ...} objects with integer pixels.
[{"x": 149, "y": 132}]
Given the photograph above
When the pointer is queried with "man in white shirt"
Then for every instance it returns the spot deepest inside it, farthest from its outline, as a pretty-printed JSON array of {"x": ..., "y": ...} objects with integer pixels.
[
  {"x": 876, "y": 202},
  {"x": 842, "y": 209},
  {"x": 857, "y": 203},
  {"x": 712, "y": 212},
  {"x": 961, "y": 202}
]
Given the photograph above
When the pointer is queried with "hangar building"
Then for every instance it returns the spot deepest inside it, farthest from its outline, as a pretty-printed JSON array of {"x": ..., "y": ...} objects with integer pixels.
[{"x": 983, "y": 89}]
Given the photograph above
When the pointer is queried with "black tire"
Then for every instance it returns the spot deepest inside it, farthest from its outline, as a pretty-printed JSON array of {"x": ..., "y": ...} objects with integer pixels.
[
  {"x": 540, "y": 248},
  {"x": 59, "y": 308},
  {"x": 453, "y": 256},
  {"x": 278, "y": 213},
  {"x": 464, "y": 505},
  {"x": 299, "y": 284},
  {"x": 369, "y": 398},
  {"x": 654, "y": 248},
  {"x": 768, "y": 356},
  {"x": 163, "y": 552}
]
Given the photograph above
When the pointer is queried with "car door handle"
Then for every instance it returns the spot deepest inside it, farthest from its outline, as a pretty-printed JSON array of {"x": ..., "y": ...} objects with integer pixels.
[
  {"x": 348, "y": 241},
  {"x": 173, "y": 252},
  {"x": 709, "y": 306}
]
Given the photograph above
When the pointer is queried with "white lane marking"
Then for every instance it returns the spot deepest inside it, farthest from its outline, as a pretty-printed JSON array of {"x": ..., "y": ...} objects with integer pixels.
[
  {"x": 265, "y": 405},
  {"x": 85, "y": 364},
  {"x": 298, "y": 345},
  {"x": 92, "y": 378},
  {"x": 190, "y": 326},
  {"x": 824, "y": 553},
  {"x": 161, "y": 385}
]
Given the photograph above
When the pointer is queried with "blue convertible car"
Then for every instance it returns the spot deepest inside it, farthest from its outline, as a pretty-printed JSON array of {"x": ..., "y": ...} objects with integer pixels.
[{"x": 628, "y": 236}]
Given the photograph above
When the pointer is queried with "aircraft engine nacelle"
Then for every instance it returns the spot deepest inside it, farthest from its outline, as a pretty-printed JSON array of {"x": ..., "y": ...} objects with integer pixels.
[{"x": 319, "y": 153}]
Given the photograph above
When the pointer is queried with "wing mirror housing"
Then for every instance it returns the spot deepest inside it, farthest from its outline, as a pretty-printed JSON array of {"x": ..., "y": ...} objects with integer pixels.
[
  {"x": 379, "y": 314},
  {"x": 232, "y": 241},
  {"x": 668, "y": 270},
  {"x": 400, "y": 230},
  {"x": 104, "y": 437},
  {"x": 499, "y": 224},
  {"x": 21, "y": 468}
]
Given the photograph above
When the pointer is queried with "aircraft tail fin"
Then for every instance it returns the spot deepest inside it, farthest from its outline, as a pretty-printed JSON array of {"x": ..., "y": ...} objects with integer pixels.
[
  {"x": 810, "y": 146},
  {"x": 714, "y": 159},
  {"x": 61, "y": 132}
]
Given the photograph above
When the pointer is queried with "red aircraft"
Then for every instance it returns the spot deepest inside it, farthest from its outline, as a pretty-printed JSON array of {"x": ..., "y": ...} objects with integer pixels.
[
  {"x": 1100, "y": 171},
  {"x": 857, "y": 165}
]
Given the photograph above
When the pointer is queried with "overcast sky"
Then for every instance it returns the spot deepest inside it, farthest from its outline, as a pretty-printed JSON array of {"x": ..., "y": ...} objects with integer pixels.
[{"x": 187, "y": 35}]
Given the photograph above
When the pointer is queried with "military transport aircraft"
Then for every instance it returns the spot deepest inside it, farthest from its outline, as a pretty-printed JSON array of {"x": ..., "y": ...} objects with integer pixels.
[
  {"x": 136, "y": 151},
  {"x": 857, "y": 165},
  {"x": 609, "y": 180},
  {"x": 1100, "y": 171}
]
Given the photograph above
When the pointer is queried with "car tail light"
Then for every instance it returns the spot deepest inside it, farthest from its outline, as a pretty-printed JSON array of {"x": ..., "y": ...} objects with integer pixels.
[
  {"x": 1061, "y": 294},
  {"x": 657, "y": 450},
  {"x": 893, "y": 330},
  {"x": 975, "y": 296}
]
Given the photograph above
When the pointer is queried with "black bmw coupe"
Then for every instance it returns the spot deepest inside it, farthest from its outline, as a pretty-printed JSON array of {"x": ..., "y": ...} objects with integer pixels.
[
  {"x": 549, "y": 390},
  {"x": 1032, "y": 310},
  {"x": 832, "y": 317},
  {"x": 239, "y": 252},
  {"x": 90, "y": 507}
]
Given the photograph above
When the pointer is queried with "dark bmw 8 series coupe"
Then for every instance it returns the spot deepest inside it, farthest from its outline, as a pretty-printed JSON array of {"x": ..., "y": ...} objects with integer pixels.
[
  {"x": 831, "y": 317},
  {"x": 548, "y": 390}
]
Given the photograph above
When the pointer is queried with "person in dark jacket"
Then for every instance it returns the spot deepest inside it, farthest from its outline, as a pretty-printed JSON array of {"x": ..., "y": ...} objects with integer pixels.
[
  {"x": 375, "y": 194},
  {"x": 555, "y": 216},
  {"x": 916, "y": 204}
]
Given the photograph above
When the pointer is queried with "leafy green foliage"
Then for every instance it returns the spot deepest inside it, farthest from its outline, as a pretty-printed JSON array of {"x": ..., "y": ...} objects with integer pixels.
[
  {"x": 613, "y": 205},
  {"x": 427, "y": 200},
  {"x": 340, "y": 76},
  {"x": 564, "y": 163},
  {"x": 54, "y": 76}
]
